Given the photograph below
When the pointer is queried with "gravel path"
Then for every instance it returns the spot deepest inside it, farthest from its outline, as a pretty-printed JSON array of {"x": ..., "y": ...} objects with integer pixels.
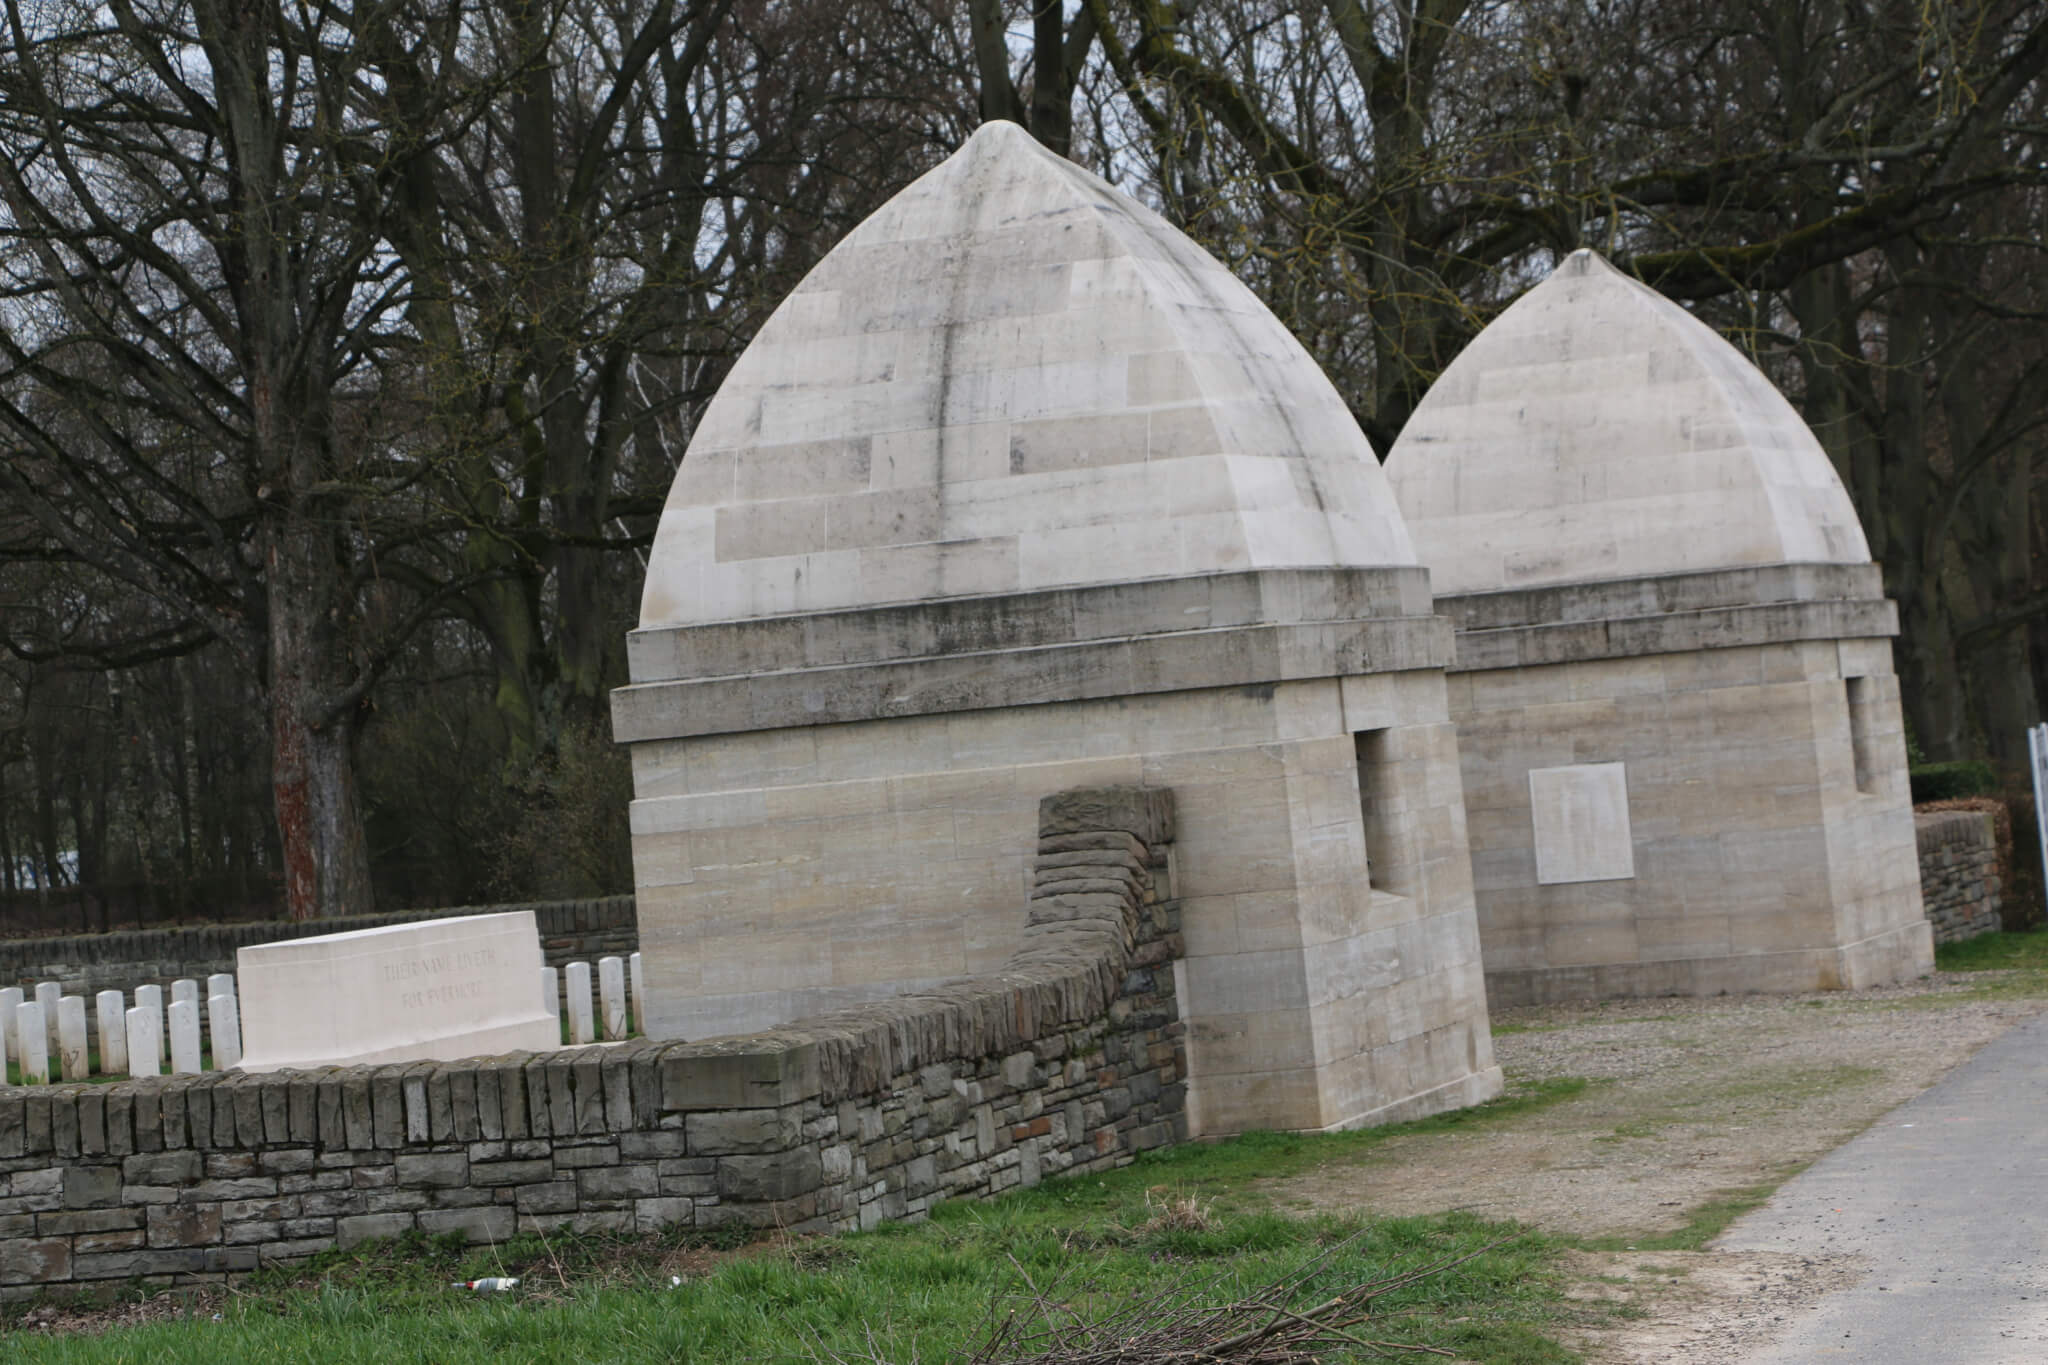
[{"x": 1690, "y": 1101}]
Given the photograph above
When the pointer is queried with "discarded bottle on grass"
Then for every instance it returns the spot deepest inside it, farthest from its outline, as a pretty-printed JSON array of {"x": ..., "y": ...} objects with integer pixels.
[{"x": 495, "y": 1284}]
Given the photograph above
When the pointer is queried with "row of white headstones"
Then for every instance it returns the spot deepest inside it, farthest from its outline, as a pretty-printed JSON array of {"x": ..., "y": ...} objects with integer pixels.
[
  {"x": 136, "y": 1040},
  {"x": 142, "y": 1039},
  {"x": 610, "y": 1022}
]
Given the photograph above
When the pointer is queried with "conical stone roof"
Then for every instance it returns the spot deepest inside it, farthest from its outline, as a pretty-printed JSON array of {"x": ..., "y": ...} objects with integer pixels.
[
  {"x": 1012, "y": 377},
  {"x": 1597, "y": 431}
]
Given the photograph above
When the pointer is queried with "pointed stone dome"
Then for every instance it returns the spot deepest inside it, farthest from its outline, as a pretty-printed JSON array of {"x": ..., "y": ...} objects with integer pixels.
[
  {"x": 1598, "y": 431},
  {"x": 1012, "y": 377}
]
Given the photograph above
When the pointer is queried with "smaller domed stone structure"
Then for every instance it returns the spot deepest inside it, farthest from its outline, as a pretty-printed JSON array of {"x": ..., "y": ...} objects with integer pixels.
[
  {"x": 1684, "y": 764},
  {"x": 1021, "y": 491}
]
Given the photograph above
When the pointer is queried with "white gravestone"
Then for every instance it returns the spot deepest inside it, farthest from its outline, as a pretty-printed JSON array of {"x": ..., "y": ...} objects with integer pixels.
[
  {"x": 220, "y": 983},
  {"x": 639, "y": 993},
  {"x": 145, "y": 1041},
  {"x": 185, "y": 1054},
  {"x": 185, "y": 988},
  {"x": 151, "y": 998},
  {"x": 434, "y": 990},
  {"x": 225, "y": 1031},
  {"x": 582, "y": 1028},
  {"x": 611, "y": 991},
  {"x": 551, "y": 993},
  {"x": 110, "y": 1015},
  {"x": 10, "y": 1001},
  {"x": 72, "y": 1053},
  {"x": 35, "y": 1052},
  {"x": 48, "y": 993}
]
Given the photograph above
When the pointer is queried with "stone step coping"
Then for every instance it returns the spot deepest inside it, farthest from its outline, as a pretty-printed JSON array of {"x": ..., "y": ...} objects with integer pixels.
[
  {"x": 1025, "y": 620},
  {"x": 1677, "y": 632},
  {"x": 1940, "y": 829},
  {"x": 1661, "y": 594}
]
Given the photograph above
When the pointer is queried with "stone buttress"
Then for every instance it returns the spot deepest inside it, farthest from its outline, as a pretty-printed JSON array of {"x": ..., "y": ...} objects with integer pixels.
[{"x": 1021, "y": 491}]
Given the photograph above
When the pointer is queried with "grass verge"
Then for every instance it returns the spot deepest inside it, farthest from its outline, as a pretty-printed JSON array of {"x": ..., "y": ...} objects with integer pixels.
[{"x": 902, "y": 1293}]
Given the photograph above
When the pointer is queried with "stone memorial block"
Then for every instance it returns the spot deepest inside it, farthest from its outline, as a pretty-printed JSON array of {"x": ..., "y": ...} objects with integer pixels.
[
  {"x": 224, "y": 1031},
  {"x": 1651, "y": 561},
  {"x": 1020, "y": 490},
  {"x": 431, "y": 990},
  {"x": 110, "y": 1016},
  {"x": 187, "y": 1058},
  {"x": 35, "y": 1049},
  {"x": 145, "y": 1041},
  {"x": 73, "y": 1052}
]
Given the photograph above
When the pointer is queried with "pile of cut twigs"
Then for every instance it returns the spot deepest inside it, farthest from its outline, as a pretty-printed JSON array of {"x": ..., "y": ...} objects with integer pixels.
[{"x": 1283, "y": 1324}]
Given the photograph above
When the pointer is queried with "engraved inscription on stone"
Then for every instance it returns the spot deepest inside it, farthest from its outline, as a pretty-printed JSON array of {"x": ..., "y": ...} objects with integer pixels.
[
  {"x": 1581, "y": 818},
  {"x": 444, "y": 978}
]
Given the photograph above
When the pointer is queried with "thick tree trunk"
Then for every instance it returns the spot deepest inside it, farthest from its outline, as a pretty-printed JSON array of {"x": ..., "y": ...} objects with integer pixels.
[{"x": 326, "y": 857}]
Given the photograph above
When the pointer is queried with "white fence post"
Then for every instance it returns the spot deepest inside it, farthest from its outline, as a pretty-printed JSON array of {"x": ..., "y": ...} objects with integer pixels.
[{"x": 2037, "y": 753}]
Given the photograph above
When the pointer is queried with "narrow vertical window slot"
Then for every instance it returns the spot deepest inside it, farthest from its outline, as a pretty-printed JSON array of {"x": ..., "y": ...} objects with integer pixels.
[
  {"x": 1862, "y": 694},
  {"x": 1386, "y": 870}
]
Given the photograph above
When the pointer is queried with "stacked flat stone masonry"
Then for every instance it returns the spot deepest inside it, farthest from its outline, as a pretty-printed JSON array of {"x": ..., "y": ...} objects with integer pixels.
[
  {"x": 1069, "y": 1058},
  {"x": 1959, "y": 881}
]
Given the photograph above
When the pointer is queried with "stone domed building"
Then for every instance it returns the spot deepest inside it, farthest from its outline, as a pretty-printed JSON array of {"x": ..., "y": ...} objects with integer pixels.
[
  {"x": 1021, "y": 491},
  {"x": 1684, "y": 767}
]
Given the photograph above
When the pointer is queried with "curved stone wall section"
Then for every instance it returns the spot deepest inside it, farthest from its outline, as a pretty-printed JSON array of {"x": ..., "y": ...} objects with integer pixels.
[{"x": 1070, "y": 1058}]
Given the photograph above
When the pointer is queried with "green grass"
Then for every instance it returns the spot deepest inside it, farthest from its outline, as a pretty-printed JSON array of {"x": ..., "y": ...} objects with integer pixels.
[
  {"x": 2026, "y": 951},
  {"x": 1703, "y": 1224},
  {"x": 906, "y": 1292}
]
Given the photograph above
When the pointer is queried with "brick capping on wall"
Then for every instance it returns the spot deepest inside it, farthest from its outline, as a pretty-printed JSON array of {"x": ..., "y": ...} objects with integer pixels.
[
  {"x": 1959, "y": 881},
  {"x": 1071, "y": 1058}
]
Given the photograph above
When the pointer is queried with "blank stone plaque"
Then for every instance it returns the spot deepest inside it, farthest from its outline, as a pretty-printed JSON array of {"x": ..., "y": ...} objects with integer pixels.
[{"x": 1581, "y": 816}]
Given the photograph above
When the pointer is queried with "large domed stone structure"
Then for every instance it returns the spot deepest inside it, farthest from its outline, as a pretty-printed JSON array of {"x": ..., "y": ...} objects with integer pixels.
[
  {"x": 1021, "y": 491},
  {"x": 1679, "y": 726}
]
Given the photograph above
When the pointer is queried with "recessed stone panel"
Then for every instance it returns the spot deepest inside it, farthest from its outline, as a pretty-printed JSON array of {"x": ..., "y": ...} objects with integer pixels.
[{"x": 1581, "y": 817}]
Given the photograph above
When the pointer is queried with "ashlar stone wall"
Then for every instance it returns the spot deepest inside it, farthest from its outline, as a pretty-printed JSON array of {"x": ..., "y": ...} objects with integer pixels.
[{"x": 1070, "y": 1058}]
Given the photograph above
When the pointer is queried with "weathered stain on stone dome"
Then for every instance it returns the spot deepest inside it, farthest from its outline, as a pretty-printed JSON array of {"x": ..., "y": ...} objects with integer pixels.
[
  {"x": 1012, "y": 377},
  {"x": 1598, "y": 431}
]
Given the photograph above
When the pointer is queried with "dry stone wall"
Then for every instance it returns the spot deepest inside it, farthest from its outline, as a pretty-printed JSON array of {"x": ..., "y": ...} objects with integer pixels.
[
  {"x": 1959, "y": 881},
  {"x": 1069, "y": 1059}
]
